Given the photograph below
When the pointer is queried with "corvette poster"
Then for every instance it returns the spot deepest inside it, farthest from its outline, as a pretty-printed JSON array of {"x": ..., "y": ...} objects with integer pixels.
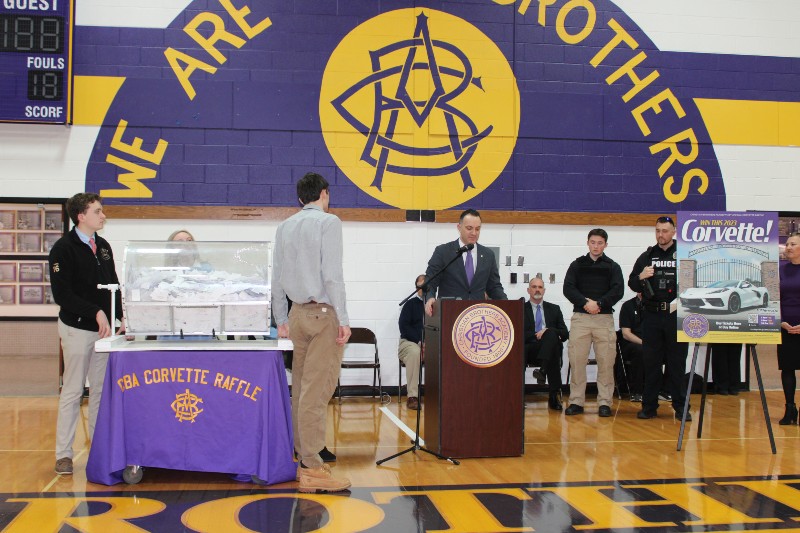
[{"x": 728, "y": 286}]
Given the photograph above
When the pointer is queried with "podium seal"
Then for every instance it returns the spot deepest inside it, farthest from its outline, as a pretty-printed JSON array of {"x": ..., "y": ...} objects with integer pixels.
[{"x": 483, "y": 335}]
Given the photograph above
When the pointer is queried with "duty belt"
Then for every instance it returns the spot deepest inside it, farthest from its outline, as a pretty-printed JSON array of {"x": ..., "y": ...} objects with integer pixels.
[{"x": 657, "y": 307}]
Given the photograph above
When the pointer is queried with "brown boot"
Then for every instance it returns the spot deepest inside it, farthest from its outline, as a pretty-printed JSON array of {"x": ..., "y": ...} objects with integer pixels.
[{"x": 320, "y": 479}]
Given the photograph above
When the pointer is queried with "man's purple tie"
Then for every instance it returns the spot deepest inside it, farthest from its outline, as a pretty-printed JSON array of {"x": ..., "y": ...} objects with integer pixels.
[
  {"x": 470, "y": 268},
  {"x": 538, "y": 319}
]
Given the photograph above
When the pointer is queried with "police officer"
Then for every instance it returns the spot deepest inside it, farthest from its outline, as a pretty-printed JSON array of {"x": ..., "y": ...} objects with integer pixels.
[{"x": 655, "y": 275}]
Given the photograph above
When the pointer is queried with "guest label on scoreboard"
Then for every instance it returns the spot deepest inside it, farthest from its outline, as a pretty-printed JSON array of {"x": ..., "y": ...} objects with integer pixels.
[{"x": 35, "y": 60}]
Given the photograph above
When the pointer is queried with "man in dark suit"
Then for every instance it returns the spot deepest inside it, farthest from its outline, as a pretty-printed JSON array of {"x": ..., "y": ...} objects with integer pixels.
[
  {"x": 545, "y": 332},
  {"x": 474, "y": 276}
]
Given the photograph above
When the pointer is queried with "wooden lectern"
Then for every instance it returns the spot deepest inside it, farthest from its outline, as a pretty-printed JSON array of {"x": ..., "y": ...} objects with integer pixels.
[{"x": 473, "y": 410}]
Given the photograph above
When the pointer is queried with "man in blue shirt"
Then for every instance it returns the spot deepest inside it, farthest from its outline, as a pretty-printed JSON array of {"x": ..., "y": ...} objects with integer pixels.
[
  {"x": 409, "y": 349},
  {"x": 308, "y": 269}
]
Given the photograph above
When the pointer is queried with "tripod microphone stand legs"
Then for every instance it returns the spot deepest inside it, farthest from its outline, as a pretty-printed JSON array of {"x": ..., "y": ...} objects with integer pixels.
[{"x": 415, "y": 443}]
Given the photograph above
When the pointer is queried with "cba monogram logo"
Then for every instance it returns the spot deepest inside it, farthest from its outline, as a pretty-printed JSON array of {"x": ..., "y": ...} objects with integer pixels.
[
  {"x": 419, "y": 109},
  {"x": 185, "y": 406},
  {"x": 695, "y": 326},
  {"x": 483, "y": 335}
]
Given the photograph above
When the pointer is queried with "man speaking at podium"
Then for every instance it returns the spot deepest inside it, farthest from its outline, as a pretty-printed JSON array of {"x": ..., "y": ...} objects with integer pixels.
[{"x": 474, "y": 277}]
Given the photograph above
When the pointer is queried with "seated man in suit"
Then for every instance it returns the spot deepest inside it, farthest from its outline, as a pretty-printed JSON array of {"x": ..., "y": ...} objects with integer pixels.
[
  {"x": 545, "y": 332},
  {"x": 474, "y": 276}
]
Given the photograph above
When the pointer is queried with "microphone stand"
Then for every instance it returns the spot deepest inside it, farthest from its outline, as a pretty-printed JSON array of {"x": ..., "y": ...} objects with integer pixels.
[{"x": 415, "y": 443}]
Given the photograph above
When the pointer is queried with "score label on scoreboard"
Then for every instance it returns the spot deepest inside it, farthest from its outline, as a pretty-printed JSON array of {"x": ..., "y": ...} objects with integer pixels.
[{"x": 35, "y": 60}]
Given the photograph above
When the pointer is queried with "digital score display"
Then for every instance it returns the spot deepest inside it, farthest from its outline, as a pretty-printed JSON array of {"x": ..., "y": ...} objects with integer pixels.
[{"x": 35, "y": 60}]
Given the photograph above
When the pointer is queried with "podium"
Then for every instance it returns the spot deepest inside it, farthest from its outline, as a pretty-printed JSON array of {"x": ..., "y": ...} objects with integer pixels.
[{"x": 474, "y": 378}]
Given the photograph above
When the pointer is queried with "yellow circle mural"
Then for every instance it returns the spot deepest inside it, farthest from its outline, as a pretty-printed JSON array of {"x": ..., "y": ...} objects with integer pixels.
[{"x": 419, "y": 109}]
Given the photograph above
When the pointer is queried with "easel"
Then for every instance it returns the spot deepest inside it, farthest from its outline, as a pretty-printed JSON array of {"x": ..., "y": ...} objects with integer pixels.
[{"x": 750, "y": 350}]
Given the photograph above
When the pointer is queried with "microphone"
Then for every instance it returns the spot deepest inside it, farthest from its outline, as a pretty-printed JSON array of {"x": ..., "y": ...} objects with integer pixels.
[{"x": 465, "y": 248}]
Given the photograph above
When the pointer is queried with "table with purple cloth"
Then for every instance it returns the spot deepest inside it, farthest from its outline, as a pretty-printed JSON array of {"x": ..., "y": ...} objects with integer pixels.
[{"x": 204, "y": 411}]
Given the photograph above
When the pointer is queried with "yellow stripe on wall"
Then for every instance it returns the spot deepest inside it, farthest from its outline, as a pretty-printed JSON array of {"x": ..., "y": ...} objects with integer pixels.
[
  {"x": 93, "y": 98},
  {"x": 751, "y": 122}
]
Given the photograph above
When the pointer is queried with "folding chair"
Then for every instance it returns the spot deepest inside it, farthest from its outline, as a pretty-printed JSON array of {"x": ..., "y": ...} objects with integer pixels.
[{"x": 355, "y": 358}]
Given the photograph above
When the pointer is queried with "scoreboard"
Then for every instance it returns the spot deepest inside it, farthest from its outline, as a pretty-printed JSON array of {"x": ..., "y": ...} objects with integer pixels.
[{"x": 36, "y": 60}]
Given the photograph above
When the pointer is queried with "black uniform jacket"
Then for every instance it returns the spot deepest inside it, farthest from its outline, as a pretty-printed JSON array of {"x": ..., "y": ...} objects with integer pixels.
[
  {"x": 662, "y": 286},
  {"x": 599, "y": 280}
]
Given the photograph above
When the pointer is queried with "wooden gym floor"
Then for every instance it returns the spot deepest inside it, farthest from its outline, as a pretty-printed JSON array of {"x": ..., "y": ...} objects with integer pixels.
[{"x": 580, "y": 473}]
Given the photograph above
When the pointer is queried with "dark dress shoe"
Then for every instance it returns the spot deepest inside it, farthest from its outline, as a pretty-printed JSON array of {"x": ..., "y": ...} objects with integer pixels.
[
  {"x": 789, "y": 416},
  {"x": 605, "y": 411},
  {"x": 413, "y": 403},
  {"x": 679, "y": 415},
  {"x": 538, "y": 374},
  {"x": 722, "y": 392},
  {"x": 574, "y": 409},
  {"x": 644, "y": 415},
  {"x": 553, "y": 403},
  {"x": 733, "y": 392}
]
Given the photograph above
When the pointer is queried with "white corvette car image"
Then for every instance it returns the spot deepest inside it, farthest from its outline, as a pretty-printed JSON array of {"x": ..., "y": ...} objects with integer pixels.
[{"x": 730, "y": 296}]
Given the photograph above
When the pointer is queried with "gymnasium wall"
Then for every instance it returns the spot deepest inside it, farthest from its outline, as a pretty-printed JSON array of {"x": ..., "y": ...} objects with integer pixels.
[{"x": 579, "y": 107}]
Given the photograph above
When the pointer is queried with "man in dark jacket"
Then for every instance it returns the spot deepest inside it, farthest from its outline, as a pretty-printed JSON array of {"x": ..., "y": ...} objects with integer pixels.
[
  {"x": 545, "y": 333},
  {"x": 630, "y": 325},
  {"x": 410, "y": 348},
  {"x": 655, "y": 275},
  {"x": 593, "y": 284},
  {"x": 79, "y": 262},
  {"x": 474, "y": 276}
]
